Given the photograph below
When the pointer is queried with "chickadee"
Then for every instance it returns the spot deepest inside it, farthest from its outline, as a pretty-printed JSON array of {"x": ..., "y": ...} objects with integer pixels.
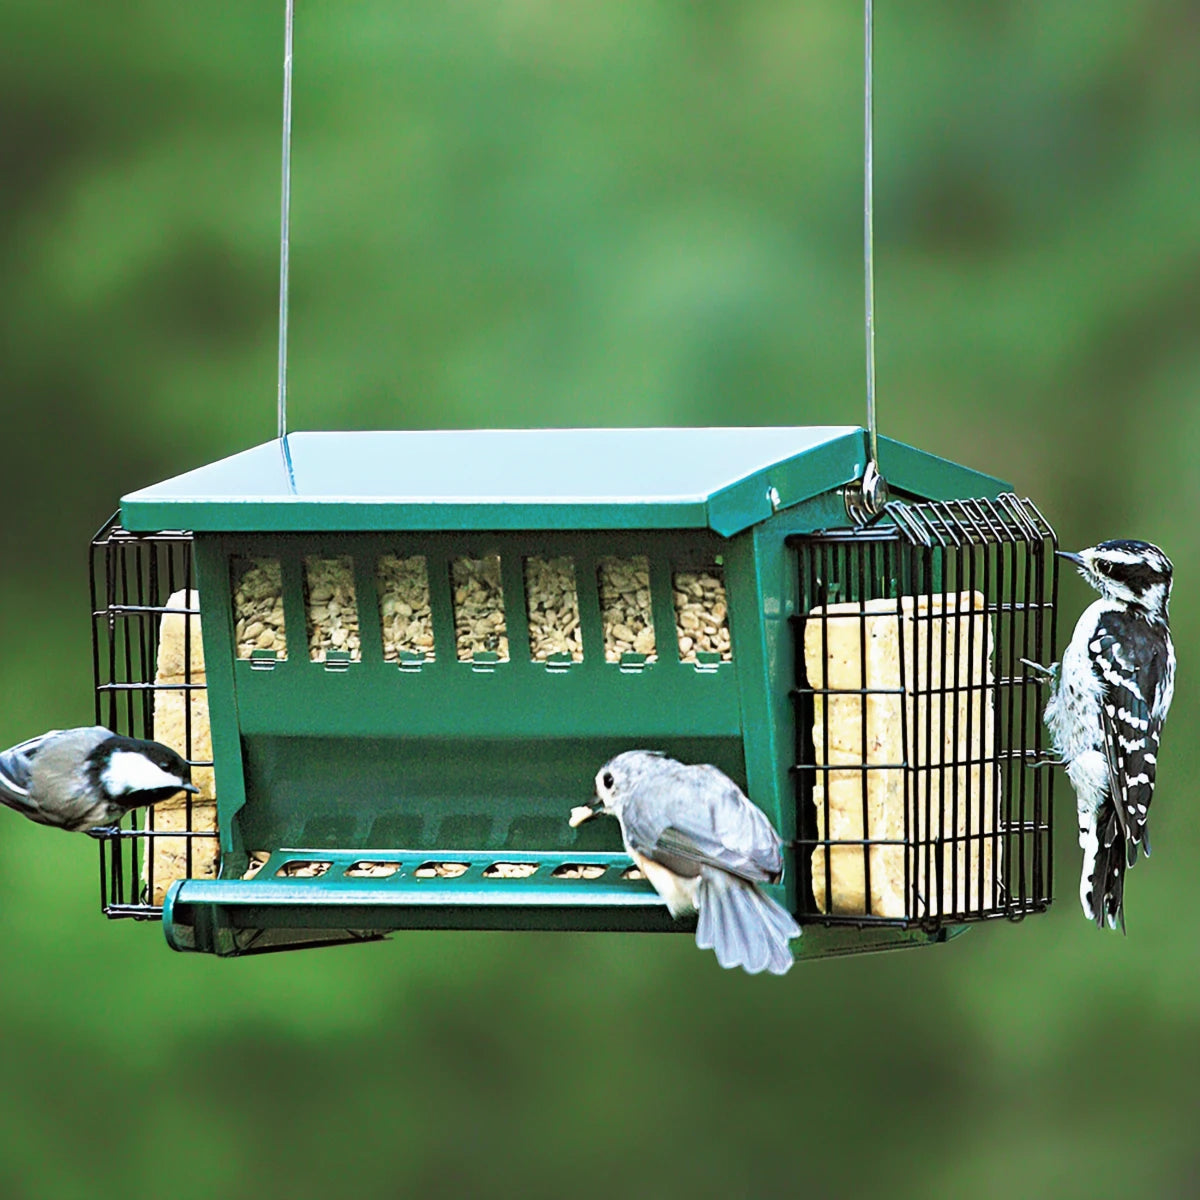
[
  {"x": 88, "y": 779},
  {"x": 704, "y": 846}
]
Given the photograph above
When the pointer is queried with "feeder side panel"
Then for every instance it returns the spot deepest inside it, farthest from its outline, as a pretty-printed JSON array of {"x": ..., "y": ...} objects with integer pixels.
[
  {"x": 216, "y": 605},
  {"x": 754, "y": 605},
  {"x": 759, "y": 605}
]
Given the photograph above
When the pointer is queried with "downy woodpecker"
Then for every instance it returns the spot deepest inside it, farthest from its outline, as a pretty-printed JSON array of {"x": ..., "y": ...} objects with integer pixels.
[{"x": 1105, "y": 715}]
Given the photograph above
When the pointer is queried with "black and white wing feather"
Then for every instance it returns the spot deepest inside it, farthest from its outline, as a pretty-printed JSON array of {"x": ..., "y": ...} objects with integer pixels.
[{"x": 1136, "y": 662}]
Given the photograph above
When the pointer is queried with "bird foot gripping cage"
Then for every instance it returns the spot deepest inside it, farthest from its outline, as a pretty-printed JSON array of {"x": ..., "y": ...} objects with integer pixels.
[{"x": 867, "y": 686}]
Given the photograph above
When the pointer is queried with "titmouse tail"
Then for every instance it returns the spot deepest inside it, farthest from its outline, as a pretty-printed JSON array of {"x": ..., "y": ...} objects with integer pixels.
[{"x": 744, "y": 927}]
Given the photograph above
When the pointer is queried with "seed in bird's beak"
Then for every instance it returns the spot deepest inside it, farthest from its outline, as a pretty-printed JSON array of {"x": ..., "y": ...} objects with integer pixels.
[{"x": 581, "y": 813}]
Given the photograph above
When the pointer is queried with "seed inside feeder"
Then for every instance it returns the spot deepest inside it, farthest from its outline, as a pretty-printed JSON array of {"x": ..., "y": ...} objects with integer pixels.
[
  {"x": 702, "y": 614},
  {"x": 579, "y": 871},
  {"x": 331, "y": 607},
  {"x": 625, "y": 607},
  {"x": 479, "y": 608},
  {"x": 404, "y": 614},
  {"x": 258, "y": 607},
  {"x": 552, "y": 603}
]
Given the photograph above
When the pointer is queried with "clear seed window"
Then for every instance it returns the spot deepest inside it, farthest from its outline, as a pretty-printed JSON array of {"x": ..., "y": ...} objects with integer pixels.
[
  {"x": 625, "y": 608},
  {"x": 552, "y": 606},
  {"x": 331, "y": 608},
  {"x": 260, "y": 628},
  {"x": 479, "y": 627},
  {"x": 701, "y": 615},
  {"x": 405, "y": 619}
]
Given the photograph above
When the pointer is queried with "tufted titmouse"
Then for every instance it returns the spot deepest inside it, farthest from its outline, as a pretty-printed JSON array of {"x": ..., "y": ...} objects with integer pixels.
[
  {"x": 704, "y": 846},
  {"x": 88, "y": 779}
]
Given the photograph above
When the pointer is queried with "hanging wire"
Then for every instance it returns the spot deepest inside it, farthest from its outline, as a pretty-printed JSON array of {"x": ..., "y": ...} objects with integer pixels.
[
  {"x": 870, "y": 497},
  {"x": 285, "y": 217},
  {"x": 869, "y": 229},
  {"x": 285, "y": 206}
]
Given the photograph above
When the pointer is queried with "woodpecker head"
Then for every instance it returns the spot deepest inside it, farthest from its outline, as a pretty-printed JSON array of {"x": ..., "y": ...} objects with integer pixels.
[{"x": 1134, "y": 574}]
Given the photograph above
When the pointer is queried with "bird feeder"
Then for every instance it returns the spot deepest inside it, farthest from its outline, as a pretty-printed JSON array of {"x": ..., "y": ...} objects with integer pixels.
[{"x": 413, "y": 650}]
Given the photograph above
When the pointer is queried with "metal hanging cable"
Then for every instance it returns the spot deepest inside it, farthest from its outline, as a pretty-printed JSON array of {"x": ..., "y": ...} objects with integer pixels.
[
  {"x": 872, "y": 494},
  {"x": 285, "y": 205},
  {"x": 869, "y": 227},
  {"x": 285, "y": 216}
]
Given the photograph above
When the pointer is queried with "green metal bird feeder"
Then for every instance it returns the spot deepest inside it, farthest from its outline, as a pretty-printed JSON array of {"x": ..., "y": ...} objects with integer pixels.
[
  {"x": 512, "y": 608},
  {"x": 396, "y": 661}
]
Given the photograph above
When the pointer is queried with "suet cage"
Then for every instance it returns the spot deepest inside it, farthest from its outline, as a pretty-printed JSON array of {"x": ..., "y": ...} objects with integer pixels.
[{"x": 397, "y": 660}]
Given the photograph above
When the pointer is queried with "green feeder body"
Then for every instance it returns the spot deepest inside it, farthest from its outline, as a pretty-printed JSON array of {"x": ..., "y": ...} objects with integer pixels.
[{"x": 421, "y": 762}]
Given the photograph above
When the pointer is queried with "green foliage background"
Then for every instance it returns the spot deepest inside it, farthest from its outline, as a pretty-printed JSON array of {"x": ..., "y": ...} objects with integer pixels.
[{"x": 531, "y": 212}]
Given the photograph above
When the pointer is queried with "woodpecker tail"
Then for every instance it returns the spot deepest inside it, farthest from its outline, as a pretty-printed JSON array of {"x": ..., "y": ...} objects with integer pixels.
[
  {"x": 1090, "y": 845},
  {"x": 1102, "y": 882},
  {"x": 744, "y": 927}
]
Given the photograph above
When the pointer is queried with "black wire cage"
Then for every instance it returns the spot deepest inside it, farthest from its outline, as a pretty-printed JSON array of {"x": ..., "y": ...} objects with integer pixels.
[
  {"x": 137, "y": 583},
  {"x": 919, "y": 723}
]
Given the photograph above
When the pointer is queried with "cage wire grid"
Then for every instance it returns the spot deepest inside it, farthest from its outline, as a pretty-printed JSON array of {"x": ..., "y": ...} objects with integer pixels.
[
  {"x": 967, "y": 589},
  {"x": 133, "y": 578}
]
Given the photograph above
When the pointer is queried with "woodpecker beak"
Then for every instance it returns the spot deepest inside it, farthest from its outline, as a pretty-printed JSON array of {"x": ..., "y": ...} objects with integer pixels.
[
  {"x": 189, "y": 787},
  {"x": 1077, "y": 559}
]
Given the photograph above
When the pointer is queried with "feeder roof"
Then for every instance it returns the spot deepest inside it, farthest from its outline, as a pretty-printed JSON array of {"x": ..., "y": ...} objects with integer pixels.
[{"x": 717, "y": 478}]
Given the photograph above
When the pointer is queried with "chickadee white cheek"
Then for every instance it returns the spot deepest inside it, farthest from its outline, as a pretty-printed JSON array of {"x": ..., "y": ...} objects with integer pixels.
[{"x": 129, "y": 772}]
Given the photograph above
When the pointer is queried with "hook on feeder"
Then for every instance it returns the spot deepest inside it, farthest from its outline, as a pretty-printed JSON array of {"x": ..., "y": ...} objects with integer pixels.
[{"x": 867, "y": 498}]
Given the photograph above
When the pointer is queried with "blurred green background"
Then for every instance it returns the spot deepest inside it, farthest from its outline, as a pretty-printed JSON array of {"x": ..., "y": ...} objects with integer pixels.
[{"x": 537, "y": 212}]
